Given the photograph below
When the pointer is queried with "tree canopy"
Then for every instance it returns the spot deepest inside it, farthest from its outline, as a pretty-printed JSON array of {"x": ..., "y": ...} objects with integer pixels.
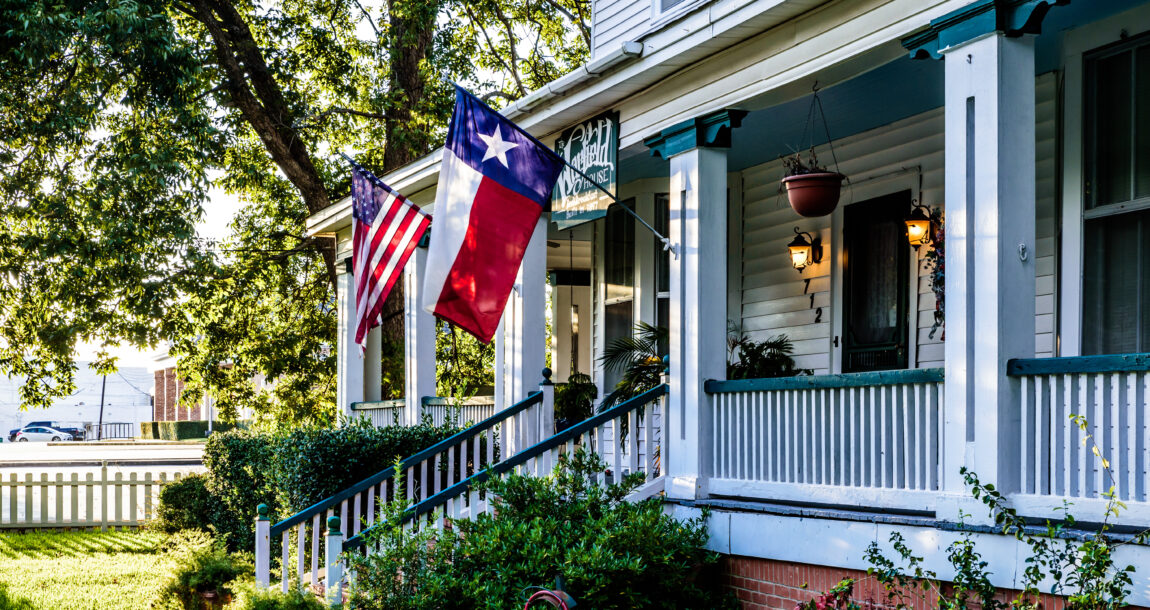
[{"x": 117, "y": 115}]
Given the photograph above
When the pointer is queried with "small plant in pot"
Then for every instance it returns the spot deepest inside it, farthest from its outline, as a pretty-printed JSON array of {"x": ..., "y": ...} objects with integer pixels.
[
  {"x": 811, "y": 189},
  {"x": 574, "y": 400}
]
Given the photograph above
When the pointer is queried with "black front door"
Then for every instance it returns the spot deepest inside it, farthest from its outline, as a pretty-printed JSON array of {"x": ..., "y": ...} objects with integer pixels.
[{"x": 875, "y": 284}]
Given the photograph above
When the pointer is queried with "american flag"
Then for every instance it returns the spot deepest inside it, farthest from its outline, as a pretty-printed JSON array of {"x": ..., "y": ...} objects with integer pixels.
[{"x": 386, "y": 228}]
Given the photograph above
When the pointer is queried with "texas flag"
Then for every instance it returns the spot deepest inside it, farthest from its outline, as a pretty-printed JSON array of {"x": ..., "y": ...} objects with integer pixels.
[{"x": 494, "y": 182}]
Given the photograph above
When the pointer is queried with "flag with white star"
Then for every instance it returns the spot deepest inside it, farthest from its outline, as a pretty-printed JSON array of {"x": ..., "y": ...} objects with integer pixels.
[{"x": 494, "y": 183}]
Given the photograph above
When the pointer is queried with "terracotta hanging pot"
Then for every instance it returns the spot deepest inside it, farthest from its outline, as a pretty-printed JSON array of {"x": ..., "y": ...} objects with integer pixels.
[{"x": 814, "y": 194}]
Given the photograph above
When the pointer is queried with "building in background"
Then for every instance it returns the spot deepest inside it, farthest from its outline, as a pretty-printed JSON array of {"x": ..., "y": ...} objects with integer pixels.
[{"x": 127, "y": 398}]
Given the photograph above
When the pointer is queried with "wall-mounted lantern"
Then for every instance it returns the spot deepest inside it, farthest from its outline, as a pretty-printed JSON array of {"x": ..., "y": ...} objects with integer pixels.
[
  {"x": 806, "y": 250},
  {"x": 919, "y": 226}
]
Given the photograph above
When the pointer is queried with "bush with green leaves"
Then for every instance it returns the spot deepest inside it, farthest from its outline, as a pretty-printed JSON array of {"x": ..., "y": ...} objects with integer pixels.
[
  {"x": 239, "y": 476},
  {"x": 251, "y": 597},
  {"x": 185, "y": 504},
  {"x": 201, "y": 565},
  {"x": 313, "y": 463},
  {"x": 611, "y": 553}
]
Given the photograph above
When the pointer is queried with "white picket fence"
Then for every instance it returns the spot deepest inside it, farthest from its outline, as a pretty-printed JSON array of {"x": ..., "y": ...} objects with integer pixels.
[
  {"x": 393, "y": 412},
  {"x": 813, "y": 438},
  {"x": 42, "y": 500}
]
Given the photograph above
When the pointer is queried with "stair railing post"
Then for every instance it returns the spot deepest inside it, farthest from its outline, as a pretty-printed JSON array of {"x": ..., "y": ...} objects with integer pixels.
[
  {"x": 263, "y": 546},
  {"x": 547, "y": 421},
  {"x": 334, "y": 590}
]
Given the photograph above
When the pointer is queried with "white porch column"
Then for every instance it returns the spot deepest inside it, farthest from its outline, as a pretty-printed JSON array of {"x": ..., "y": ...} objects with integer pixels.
[
  {"x": 373, "y": 365},
  {"x": 418, "y": 339},
  {"x": 698, "y": 320},
  {"x": 990, "y": 275},
  {"x": 521, "y": 341},
  {"x": 561, "y": 339},
  {"x": 349, "y": 367}
]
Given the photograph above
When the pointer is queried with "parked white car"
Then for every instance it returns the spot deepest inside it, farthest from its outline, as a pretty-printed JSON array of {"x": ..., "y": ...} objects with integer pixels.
[{"x": 41, "y": 433}]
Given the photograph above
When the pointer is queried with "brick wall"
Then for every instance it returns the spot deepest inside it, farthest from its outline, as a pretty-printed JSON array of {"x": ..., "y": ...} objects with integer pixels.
[
  {"x": 764, "y": 584},
  {"x": 166, "y": 407}
]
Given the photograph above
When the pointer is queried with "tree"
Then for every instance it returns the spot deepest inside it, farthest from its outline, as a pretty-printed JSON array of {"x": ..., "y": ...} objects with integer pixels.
[{"x": 123, "y": 110}]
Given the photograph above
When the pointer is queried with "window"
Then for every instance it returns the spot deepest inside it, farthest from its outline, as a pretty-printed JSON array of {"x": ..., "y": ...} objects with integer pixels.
[
  {"x": 662, "y": 267},
  {"x": 875, "y": 284},
  {"x": 619, "y": 277},
  {"x": 1116, "y": 272}
]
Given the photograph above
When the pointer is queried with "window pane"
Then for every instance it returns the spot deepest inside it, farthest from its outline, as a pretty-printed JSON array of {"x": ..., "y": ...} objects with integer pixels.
[
  {"x": 619, "y": 258},
  {"x": 1111, "y": 113},
  {"x": 1142, "y": 118},
  {"x": 1115, "y": 284},
  {"x": 617, "y": 324},
  {"x": 662, "y": 256}
]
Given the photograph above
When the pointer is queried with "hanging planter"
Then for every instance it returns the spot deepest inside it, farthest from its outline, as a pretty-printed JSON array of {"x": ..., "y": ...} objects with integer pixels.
[{"x": 812, "y": 189}]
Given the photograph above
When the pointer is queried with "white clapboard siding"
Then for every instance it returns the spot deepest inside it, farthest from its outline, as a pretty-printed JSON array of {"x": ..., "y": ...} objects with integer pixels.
[
  {"x": 617, "y": 21},
  {"x": 776, "y": 300}
]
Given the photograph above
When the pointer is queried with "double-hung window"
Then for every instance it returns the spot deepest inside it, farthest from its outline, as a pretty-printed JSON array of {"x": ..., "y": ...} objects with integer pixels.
[{"x": 1116, "y": 272}]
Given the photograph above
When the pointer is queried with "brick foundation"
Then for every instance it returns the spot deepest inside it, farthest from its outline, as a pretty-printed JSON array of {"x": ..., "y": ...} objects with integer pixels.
[{"x": 764, "y": 584}]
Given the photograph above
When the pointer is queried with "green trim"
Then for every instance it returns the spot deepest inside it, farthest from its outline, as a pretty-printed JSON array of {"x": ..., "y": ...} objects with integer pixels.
[
  {"x": 368, "y": 405},
  {"x": 534, "y": 398},
  {"x": 262, "y": 512},
  {"x": 1011, "y": 17},
  {"x": 333, "y": 525},
  {"x": 434, "y": 502},
  {"x": 819, "y": 382},
  {"x": 710, "y": 131},
  {"x": 1118, "y": 363}
]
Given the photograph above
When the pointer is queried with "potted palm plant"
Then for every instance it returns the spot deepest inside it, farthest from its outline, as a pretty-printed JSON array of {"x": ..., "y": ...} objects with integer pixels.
[{"x": 812, "y": 190}]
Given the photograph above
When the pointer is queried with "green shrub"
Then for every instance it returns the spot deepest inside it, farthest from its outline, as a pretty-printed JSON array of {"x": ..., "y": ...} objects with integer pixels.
[
  {"x": 180, "y": 430},
  {"x": 185, "y": 504},
  {"x": 251, "y": 597},
  {"x": 200, "y": 566},
  {"x": 611, "y": 553},
  {"x": 239, "y": 477},
  {"x": 313, "y": 463}
]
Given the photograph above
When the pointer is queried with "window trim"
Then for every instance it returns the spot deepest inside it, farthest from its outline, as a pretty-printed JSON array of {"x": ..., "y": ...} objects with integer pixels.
[{"x": 1081, "y": 44}]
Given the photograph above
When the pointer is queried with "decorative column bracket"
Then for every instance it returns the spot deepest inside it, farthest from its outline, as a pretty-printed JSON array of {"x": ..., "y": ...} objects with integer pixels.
[
  {"x": 1011, "y": 17},
  {"x": 708, "y": 131}
]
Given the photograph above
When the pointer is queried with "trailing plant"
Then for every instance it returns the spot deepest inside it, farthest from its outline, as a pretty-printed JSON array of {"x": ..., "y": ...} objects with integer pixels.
[
  {"x": 1082, "y": 570},
  {"x": 935, "y": 263},
  {"x": 610, "y": 553},
  {"x": 185, "y": 504},
  {"x": 756, "y": 360},
  {"x": 574, "y": 400},
  {"x": 639, "y": 358}
]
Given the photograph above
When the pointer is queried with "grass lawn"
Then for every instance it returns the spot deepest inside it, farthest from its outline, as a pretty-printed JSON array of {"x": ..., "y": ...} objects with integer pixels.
[{"x": 81, "y": 570}]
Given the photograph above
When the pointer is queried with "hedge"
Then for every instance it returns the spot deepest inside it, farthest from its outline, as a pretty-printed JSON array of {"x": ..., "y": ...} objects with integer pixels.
[{"x": 180, "y": 430}]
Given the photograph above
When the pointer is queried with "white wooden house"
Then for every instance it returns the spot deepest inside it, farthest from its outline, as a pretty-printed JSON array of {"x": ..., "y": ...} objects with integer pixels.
[{"x": 1023, "y": 121}]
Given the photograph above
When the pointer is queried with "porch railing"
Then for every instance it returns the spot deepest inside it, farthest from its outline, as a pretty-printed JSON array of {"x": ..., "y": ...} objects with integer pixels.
[
  {"x": 427, "y": 473},
  {"x": 623, "y": 454},
  {"x": 440, "y": 409},
  {"x": 807, "y": 438},
  {"x": 1057, "y": 457}
]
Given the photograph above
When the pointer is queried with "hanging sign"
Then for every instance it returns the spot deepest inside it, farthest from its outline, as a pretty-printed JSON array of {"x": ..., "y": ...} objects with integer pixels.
[{"x": 593, "y": 147}]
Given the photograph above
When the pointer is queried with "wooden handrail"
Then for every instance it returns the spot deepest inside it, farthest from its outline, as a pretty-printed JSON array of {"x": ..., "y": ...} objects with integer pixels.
[
  {"x": 1115, "y": 363},
  {"x": 818, "y": 382}
]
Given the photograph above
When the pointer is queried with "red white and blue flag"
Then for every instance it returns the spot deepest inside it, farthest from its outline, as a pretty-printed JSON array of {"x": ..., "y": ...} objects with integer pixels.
[
  {"x": 494, "y": 183},
  {"x": 385, "y": 230}
]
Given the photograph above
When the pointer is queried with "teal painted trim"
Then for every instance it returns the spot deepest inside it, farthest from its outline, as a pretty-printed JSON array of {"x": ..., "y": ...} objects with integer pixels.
[
  {"x": 813, "y": 382},
  {"x": 533, "y": 398},
  {"x": 368, "y": 405},
  {"x": 1011, "y": 17},
  {"x": 461, "y": 487},
  {"x": 711, "y": 131},
  {"x": 1118, "y": 363}
]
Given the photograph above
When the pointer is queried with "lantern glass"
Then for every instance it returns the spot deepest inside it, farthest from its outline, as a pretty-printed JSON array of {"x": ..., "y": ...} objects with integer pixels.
[
  {"x": 800, "y": 254},
  {"x": 918, "y": 231}
]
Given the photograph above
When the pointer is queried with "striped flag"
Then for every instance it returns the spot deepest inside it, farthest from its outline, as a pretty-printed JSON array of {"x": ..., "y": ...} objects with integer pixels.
[{"x": 385, "y": 230}]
